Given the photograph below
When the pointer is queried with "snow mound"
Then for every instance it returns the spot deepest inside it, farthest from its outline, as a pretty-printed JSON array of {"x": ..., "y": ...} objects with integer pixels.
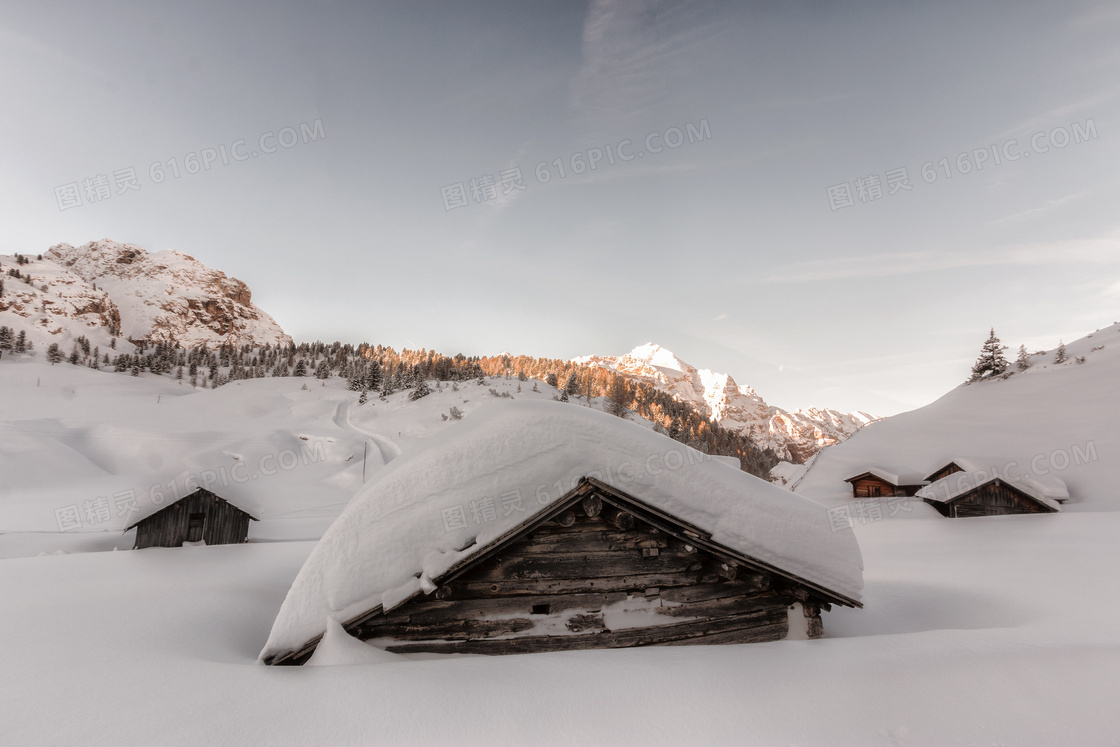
[
  {"x": 506, "y": 462},
  {"x": 339, "y": 648}
]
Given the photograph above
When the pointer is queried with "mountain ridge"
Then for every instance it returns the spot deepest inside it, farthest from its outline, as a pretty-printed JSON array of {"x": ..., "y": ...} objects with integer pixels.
[
  {"x": 105, "y": 289},
  {"x": 794, "y": 436}
]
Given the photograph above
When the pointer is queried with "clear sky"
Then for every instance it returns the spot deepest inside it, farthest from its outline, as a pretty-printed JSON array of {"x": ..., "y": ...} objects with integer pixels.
[{"x": 778, "y": 243}]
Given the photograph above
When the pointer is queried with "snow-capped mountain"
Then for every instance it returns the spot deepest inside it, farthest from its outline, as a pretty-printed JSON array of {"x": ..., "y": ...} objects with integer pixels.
[
  {"x": 105, "y": 288},
  {"x": 792, "y": 435},
  {"x": 1052, "y": 420}
]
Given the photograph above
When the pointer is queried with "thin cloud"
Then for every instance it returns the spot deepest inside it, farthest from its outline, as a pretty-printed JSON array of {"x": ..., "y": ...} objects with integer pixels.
[{"x": 1075, "y": 251}]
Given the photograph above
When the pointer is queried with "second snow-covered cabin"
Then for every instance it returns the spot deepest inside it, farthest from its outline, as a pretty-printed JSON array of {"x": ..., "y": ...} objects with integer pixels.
[
  {"x": 962, "y": 493},
  {"x": 201, "y": 516},
  {"x": 538, "y": 526},
  {"x": 877, "y": 482}
]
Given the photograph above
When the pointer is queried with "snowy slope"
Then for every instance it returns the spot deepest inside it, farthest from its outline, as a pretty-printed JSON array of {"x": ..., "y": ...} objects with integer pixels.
[
  {"x": 292, "y": 450},
  {"x": 793, "y": 435},
  {"x": 1052, "y": 420},
  {"x": 167, "y": 295}
]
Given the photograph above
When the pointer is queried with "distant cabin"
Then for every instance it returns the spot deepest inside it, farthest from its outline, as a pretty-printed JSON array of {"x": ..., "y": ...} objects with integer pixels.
[
  {"x": 201, "y": 516},
  {"x": 598, "y": 569},
  {"x": 879, "y": 482},
  {"x": 962, "y": 494}
]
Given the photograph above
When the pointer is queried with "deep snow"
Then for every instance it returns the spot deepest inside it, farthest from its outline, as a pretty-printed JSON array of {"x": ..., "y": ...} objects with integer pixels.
[{"x": 976, "y": 631}]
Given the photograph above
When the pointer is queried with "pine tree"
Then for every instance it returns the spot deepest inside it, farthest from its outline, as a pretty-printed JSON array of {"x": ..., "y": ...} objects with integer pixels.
[
  {"x": 618, "y": 396},
  {"x": 991, "y": 361},
  {"x": 5, "y": 338},
  {"x": 572, "y": 385},
  {"x": 301, "y": 368},
  {"x": 421, "y": 390},
  {"x": 1023, "y": 362},
  {"x": 54, "y": 354},
  {"x": 373, "y": 376},
  {"x": 21, "y": 342},
  {"x": 551, "y": 380},
  {"x": 363, "y": 398},
  {"x": 323, "y": 371},
  {"x": 1060, "y": 356}
]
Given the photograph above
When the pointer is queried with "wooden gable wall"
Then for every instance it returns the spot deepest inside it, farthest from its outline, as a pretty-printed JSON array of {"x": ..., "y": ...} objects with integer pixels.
[
  {"x": 565, "y": 584},
  {"x": 949, "y": 469},
  {"x": 221, "y": 523},
  {"x": 869, "y": 486},
  {"x": 994, "y": 499}
]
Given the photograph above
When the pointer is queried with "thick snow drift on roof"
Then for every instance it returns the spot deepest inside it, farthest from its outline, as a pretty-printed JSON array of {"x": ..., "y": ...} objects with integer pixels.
[
  {"x": 953, "y": 486},
  {"x": 505, "y": 462},
  {"x": 893, "y": 475}
]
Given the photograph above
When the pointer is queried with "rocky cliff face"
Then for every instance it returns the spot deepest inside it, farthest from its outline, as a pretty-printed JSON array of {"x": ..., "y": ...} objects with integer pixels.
[
  {"x": 795, "y": 436},
  {"x": 162, "y": 296},
  {"x": 56, "y": 303},
  {"x": 105, "y": 289}
]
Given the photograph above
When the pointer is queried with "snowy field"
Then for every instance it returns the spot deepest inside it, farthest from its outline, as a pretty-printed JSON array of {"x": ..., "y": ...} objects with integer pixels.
[
  {"x": 985, "y": 631},
  {"x": 989, "y": 631}
]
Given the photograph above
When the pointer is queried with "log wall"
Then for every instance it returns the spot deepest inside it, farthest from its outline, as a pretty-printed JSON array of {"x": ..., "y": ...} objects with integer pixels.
[
  {"x": 994, "y": 499},
  {"x": 222, "y": 523},
  {"x": 592, "y": 578},
  {"x": 871, "y": 487}
]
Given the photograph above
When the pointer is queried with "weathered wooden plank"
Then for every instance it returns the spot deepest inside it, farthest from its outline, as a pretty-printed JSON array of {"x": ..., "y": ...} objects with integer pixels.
[
  {"x": 597, "y": 541},
  {"x": 744, "y": 584},
  {"x": 435, "y": 609},
  {"x": 725, "y": 606},
  {"x": 760, "y": 625},
  {"x": 450, "y": 630},
  {"x": 588, "y": 565},
  {"x": 530, "y": 586}
]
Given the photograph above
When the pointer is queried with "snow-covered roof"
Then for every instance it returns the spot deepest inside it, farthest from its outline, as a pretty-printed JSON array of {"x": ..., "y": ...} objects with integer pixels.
[
  {"x": 484, "y": 477},
  {"x": 974, "y": 464},
  {"x": 1047, "y": 491},
  {"x": 894, "y": 476},
  {"x": 234, "y": 497}
]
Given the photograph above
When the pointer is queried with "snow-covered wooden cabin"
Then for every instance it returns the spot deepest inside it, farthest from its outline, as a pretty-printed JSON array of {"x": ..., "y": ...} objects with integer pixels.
[
  {"x": 200, "y": 516},
  {"x": 539, "y": 526},
  {"x": 961, "y": 489},
  {"x": 876, "y": 482}
]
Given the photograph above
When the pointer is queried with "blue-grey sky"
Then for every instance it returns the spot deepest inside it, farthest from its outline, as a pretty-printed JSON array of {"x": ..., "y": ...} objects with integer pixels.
[{"x": 730, "y": 249}]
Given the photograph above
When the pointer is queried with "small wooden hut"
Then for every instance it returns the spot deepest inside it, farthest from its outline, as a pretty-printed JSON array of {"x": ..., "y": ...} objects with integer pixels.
[
  {"x": 201, "y": 516},
  {"x": 886, "y": 482},
  {"x": 962, "y": 494}
]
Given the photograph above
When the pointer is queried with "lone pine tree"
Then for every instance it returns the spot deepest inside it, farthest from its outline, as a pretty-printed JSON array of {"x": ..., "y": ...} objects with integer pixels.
[{"x": 991, "y": 361}]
